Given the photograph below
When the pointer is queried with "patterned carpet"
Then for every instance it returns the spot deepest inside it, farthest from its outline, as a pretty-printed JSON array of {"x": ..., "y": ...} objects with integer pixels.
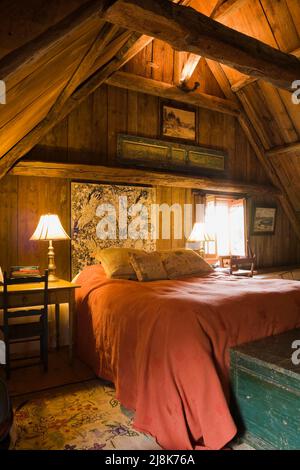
[{"x": 82, "y": 416}]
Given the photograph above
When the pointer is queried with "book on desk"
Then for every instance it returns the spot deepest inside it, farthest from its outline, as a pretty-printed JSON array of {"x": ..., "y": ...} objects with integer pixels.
[{"x": 24, "y": 273}]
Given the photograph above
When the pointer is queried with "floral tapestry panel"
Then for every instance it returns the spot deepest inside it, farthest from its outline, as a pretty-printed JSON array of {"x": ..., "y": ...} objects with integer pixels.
[{"x": 109, "y": 215}]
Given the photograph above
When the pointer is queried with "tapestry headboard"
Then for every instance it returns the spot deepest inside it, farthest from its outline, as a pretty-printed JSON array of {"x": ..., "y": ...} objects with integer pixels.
[{"x": 109, "y": 215}]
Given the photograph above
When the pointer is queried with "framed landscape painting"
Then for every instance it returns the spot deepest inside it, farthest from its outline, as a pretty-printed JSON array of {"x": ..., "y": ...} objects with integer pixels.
[
  {"x": 178, "y": 122},
  {"x": 264, "y": 220}
]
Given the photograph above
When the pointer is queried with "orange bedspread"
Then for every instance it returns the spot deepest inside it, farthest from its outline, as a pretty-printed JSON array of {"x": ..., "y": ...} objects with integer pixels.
[{"x": 165, "y": 344}]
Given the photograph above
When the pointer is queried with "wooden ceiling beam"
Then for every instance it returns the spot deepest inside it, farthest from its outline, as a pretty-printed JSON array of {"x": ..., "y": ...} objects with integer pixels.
[
  {"x": 137, "y": 176},
  {"x": 105, "y": 35},
  {"x": 165, "y": 90},
  {"x": 188, "y": 30},
  {"x": 129, "y": 50},
  {"x": 240, "y": 84},
  {"x": 194, "y": 59},
  {"x": 284, "y": 150},
  {"x": 110, "y": 51}
]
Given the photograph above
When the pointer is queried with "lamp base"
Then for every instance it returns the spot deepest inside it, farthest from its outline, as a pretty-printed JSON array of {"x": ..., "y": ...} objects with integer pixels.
[
  {"x": 52, "y": 278},
  {"x": 51, "y": 264}
]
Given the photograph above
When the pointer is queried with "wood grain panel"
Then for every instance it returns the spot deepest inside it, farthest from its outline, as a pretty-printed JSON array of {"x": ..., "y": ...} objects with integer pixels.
[
  {"x": 163, "y": 59},
  {"x": 9, "y": 222},
  {"x": 117, "y": 119},
  {"x": 282, "y": 25},
  {"x": 54, "y": 146},
  {"x": 280, "y": 249},
  {"x": 28, "y": 118},
  {"x": 39, "y": 196},
  {"x": 21, "y": 24},
  {"x": 39, "y": 82},
  {"x": 89, "y": 135}
]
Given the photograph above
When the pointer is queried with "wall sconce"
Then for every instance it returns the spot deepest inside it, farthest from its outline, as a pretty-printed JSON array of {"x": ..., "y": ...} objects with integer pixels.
[{"x": 187, "y": 72}]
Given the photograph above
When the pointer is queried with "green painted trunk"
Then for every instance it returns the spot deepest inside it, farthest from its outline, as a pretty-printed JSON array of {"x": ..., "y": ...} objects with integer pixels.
[{"x": 266, "y": 392}]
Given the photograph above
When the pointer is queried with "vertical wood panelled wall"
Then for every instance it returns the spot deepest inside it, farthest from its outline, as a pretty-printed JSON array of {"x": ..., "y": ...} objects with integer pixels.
[{"x": 89, "y": 135}]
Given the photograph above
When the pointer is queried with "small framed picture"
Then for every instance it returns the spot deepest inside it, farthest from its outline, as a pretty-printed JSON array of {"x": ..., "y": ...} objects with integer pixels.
[
  {"x": 178, "y": 122},
  {"x": 264, "y": 220}
]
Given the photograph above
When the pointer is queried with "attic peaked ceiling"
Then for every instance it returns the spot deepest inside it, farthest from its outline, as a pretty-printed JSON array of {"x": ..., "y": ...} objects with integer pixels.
[{"x": 51, "y": 73}]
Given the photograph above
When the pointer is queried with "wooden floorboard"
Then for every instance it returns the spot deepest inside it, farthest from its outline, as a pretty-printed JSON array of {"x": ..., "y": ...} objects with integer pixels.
[{"x": 60, "y": 373}]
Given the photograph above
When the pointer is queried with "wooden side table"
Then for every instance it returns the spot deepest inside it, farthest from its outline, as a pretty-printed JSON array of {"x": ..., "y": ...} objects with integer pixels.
[{"x": 30, "y": 295}]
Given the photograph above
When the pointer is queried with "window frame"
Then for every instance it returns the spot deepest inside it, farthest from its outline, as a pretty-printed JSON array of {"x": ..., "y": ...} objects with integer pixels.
[{"x": 224, "y": 196}]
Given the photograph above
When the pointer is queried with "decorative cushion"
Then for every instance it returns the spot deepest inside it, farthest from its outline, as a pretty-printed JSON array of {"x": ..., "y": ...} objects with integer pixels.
[
  {"x": 148, "y": 266},
  {"x": 116, "y": 262},
  {"x": 183, "y": 263}
]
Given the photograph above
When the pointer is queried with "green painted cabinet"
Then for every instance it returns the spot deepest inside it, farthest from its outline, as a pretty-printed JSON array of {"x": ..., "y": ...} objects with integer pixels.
[{"x": 266, "y": 391}]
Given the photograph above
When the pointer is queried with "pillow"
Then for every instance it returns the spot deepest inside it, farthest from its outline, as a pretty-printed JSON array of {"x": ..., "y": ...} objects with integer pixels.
[
  {"x": 148, "y": 266},
  {"x": 116, "y": 262},
  {"x": 183, "y": 263}
]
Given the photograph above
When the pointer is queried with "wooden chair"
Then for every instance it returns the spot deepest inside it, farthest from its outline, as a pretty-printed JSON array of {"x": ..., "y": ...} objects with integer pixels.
[
  {"x": 239, "y": 263},
  {"x": 25, "y": 332}
]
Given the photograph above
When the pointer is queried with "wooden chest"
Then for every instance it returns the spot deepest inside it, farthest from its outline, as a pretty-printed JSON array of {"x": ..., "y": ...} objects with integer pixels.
[{"x": 266, "y": 392}]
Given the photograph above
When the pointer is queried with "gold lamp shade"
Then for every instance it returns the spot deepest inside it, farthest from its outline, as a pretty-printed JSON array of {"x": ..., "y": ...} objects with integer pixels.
[{"x": 50, "y": 228}]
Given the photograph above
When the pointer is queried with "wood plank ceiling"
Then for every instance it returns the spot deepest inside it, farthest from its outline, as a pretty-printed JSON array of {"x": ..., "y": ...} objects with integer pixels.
[{"x": 85, "y": 52}]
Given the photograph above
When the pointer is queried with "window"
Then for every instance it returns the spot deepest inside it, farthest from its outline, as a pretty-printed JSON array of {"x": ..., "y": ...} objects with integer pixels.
[{"x": 224, "y": 220}]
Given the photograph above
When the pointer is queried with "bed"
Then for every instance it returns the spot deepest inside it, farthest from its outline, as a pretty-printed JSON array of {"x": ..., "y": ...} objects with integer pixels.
[{"x": 165, "y": 345}]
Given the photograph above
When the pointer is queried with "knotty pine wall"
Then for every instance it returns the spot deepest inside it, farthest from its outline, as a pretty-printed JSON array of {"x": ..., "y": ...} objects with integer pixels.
[{"x": 89, "y": 135}]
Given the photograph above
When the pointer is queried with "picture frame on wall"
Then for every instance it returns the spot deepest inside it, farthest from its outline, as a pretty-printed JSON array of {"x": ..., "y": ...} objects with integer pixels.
[
  {"x": 178, "y": 122},
  {"x": 264, "y": 219}
]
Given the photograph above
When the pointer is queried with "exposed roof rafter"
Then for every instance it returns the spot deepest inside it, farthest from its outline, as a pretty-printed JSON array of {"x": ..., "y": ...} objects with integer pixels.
[
  {"x": 165, "y": 90},
  {"x": 188, "y": 30},
  {"x": 129, "y": 50}
]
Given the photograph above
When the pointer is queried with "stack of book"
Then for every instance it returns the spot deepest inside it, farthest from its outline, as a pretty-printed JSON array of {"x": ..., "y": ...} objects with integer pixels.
[{"x": 24, "y": 272}]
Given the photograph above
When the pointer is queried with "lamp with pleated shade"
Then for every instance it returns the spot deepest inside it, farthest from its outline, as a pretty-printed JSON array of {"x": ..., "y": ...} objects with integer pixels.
[
  {"x": 49, "y": 229},
  {"x": 199, "y": 237}
]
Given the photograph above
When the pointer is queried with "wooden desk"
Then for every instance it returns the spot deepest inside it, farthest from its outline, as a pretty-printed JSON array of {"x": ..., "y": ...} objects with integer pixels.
[{"x": 30, "y": 295}]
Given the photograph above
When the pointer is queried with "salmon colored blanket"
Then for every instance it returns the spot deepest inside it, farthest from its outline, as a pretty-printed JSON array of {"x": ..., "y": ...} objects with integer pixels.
[{"x": 165, "y": 345}]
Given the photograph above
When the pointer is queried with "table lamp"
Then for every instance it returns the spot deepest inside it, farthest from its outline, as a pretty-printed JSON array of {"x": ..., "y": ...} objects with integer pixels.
[
  {"x": 50, "y": 228},
  {"x": 199, "y": 238},
  {"x": 196, "y": 238}
]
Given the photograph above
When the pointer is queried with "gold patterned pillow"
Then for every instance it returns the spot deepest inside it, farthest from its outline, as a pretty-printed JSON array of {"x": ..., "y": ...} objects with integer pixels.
[
  {"x": 116, "y": 262},
  {"x": 184, "y": 263},
  {"x": 148, "y": 266}
]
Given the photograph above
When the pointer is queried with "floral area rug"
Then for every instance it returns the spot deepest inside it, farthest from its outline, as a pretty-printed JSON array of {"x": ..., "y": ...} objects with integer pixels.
[{"x": 84, "y": 416}]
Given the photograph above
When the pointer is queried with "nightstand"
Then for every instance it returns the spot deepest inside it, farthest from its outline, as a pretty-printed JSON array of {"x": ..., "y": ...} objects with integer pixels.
[{"x": 60, "y": 292}]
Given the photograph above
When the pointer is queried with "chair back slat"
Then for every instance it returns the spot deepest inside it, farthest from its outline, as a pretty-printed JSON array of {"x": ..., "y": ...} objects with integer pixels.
[
  {"x": 7, "y": 281},
  {"x": 19, "y": 332}
]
